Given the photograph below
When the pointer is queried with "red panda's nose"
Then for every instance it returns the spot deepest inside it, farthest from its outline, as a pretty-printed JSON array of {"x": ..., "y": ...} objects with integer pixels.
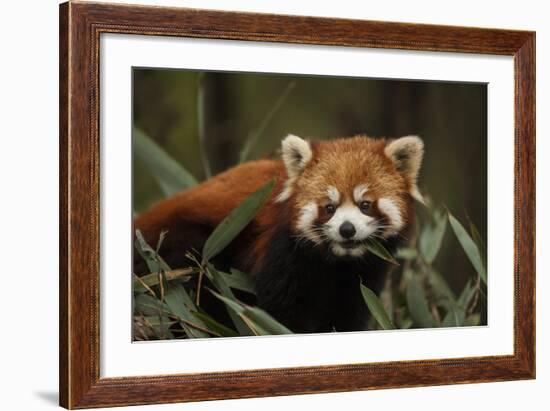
[{"x": 347, "y": 230}]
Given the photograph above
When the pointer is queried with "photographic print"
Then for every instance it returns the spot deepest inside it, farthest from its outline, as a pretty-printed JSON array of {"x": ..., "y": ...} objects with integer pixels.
[
  {"x": 249, "y": 181},
  {"x": 271, "y": 204}
]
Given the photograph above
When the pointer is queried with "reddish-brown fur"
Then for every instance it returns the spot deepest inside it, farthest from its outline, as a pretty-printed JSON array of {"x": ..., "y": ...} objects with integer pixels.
[
  {"x": 343, "y": 163},
  {"x": 346, "y": 163},
  {"x": 190, "y": 216},
  {"x": 211, "y": 201},
  {"x": 293, "y": 275}
]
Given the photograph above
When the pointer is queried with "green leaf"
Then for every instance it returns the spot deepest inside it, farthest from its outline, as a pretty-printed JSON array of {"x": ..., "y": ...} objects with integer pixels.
[
  {"x": 431, "y": 236},
  {"x": 255, "y": 135},
  {"x": 151, "y": 307},
  {"x": 201, "y": 123},
  {"x": 477, "y": 237},
  {"x": 219, "y": 282},
  {"x": 158, "y": 325},
  {"x": 148, "y": 305},
  {"x": 376, "y": 308},
  {"x": 162, "y": 236},
  {"x": 454, "y": 317},
  {"x": 440, "y": 286},
  {"x": 456, "y": 314},
  {"x": 153, "y": 279},
  {"x": 181, "y": 305},
  {"x": 467, "y": 295},
  {"x": 155, "y": 322},
  {"x": 168, "y": 173},
  {"x": 215, "y": 326},
  {"x": 469, "y": 247},
  {"x": 239, "y": 281},
  {"x": 236, "y": 221},
  {"x": 406, "y": 253},
  {"x": 265, "y": 321},
  {"x": 375, "y": 247},
  {"x": 479, "y": 243},
  {"x": 447, "y": 299},
  {"x": 473, "y": 320},
  {"x": 406, "y": 324},
  {"x": 259, "y": 321},
  {"x": 417, "y": 302},
  {"x": 154, "y": 262}
]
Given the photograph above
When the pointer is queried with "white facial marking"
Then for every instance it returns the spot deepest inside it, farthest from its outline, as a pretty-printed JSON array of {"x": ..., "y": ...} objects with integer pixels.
[
  {"x": 349, "y": 212},
  {"x": 340, "y": 251},
  {"x": 333, "y": 194},
  {"x": 308, "y": 215},
  {"x": 390, "y": 209},
  {"x": 359, "y": 191},
  {"x": 357, "y": 251}
]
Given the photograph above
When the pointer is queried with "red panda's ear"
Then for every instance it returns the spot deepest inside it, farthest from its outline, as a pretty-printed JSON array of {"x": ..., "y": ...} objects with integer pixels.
[
  {"x": 296, "y": 154},
  {"x": 407, "y": 153}
]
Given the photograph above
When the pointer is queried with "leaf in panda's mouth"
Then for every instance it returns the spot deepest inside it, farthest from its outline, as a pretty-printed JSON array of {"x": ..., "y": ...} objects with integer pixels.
[{"x": 376, "y": 248}]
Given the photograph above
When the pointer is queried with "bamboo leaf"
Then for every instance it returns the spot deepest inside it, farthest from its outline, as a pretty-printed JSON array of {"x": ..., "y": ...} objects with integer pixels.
[
  {"x": 148, "y": 305},
  {"x": 440, "y": 286},
  {"x": 255, "y": 135},
  {"x": 469, "y": 247},
  {"x": 477, "y": 237},
  {"x": 219, "y": 282},
  {"x": 152, "y": 326},
  {"x": 239, "y": 280},
  {"x": 406, "y": 324},
  {"x": 153, "y": 279},
  {"x": 432, "y": 235},
  {"x": 155, "y": 322},
  {"x": 479, "y": 242},
  {"x": 236, "y": 307},
  {"x": 257, "y": 319},
  {"x": 140, "y": 286},
  {"x": 473, "y": 320},
  {"x": 168, "y": 173},
  {"x": 467, "y": 294},
  {"x": 417, "y": 303},
  {"x": 406, "y": 253},
  {"x": 236, "y": 221},
  {"x": 375, "y": 247},
  {"x": 456, "y": 315},
  {"x": 215, "y": 326},
  {"x": 155, "y": 263},
  {"x": 376, "y": 308},
  {"x": 181, "y": 305},
  {"x": 265, "y": 321},
  {"x": 201, "y": 124}
]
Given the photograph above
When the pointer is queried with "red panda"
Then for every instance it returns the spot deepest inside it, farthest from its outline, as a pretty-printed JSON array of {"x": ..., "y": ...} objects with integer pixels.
[{"x": 306, "y": 247}]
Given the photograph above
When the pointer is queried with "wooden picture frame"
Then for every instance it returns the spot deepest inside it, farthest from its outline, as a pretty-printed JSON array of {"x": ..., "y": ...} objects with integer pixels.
[{"x": 80, "y": 27}]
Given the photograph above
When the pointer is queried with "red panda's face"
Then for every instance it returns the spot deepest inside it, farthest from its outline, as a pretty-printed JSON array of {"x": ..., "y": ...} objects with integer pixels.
[{"x": 346, "y": 191}]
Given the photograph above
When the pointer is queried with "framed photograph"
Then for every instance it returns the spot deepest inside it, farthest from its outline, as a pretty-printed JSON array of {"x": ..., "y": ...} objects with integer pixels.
[{"x": 259, "y": 205}]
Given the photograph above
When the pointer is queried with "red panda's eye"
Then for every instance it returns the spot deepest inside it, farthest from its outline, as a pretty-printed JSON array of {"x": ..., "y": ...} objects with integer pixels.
[
  {"x": 365, "y": 206},
  {"x": 330, "y": 209}
]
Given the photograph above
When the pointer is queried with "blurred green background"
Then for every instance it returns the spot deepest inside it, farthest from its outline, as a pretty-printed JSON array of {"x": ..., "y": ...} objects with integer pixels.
[{"x": 178, "y": 108}]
